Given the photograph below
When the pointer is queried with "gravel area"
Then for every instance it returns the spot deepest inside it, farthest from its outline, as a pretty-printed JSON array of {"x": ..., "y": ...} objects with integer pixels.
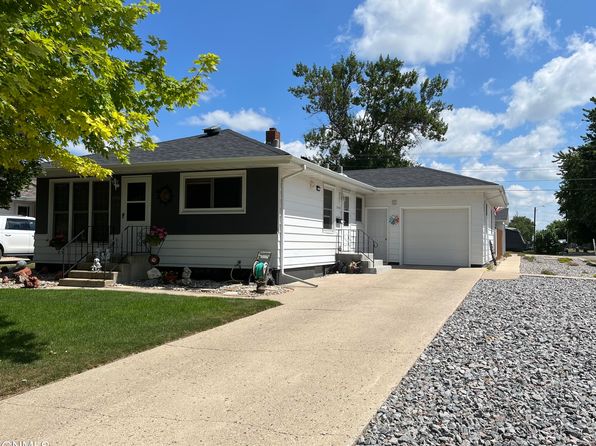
[
  {"x": 576, "y": 268},
  {"x": 209, "y": 286},
  {"x": 514, "y": 365}
]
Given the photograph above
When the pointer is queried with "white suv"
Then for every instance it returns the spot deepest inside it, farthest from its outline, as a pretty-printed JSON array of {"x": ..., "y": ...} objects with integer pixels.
[{"x": 16, "y": 235}]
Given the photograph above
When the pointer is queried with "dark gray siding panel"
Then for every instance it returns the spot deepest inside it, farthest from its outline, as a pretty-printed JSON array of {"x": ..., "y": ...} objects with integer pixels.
[
  {"x": 42, "y": 198},
  {"x": 261, "y": 207},
  {"x": 115, "y": 206}
]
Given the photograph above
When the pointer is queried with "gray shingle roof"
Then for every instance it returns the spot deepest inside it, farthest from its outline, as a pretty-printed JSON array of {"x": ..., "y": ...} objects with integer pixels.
[
  {"x": 225, "y": 144},
  {"x": 413, "y": 177}
]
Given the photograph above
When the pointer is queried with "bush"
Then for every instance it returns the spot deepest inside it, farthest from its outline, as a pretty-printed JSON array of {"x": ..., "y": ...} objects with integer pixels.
[
  {"x": 528, "y": 258},
  {"x": 547, "y": 242},
  {"x": 547, "y": 272}
]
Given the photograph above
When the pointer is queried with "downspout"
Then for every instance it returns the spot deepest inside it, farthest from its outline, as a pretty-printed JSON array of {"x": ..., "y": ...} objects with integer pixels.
[{"x": 282, "y": 228}]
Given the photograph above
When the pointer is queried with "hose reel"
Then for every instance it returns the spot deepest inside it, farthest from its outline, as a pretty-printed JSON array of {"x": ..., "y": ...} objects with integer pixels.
[{"x": 260, "y": 270}]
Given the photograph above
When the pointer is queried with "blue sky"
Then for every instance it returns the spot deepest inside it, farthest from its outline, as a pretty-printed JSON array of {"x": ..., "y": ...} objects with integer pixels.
[{"x": 520, "y": 72}]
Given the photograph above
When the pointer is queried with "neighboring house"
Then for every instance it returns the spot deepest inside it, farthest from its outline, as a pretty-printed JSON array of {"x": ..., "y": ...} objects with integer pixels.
[
  {"x": 223, "y": 196},
  {"x": 24, "y": 205},
  {"x": 515, "y": 240}
]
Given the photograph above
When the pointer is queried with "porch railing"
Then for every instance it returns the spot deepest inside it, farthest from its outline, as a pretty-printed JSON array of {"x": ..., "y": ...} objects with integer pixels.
[
  {"x": 103, "y": 239},
  {"x": 356, "y": 240}
]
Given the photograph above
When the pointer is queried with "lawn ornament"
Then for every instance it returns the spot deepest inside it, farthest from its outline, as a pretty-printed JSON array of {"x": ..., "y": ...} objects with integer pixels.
[
  {"x": 96, "y": 267},
  {"x": 153, "y": 273},
  {"x": 186, "y": 272}
]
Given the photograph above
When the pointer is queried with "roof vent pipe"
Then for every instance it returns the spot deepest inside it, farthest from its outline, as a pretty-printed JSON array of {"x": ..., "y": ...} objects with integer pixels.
[
  {"x": 341, "y": 169},
  {"x": 213, "y": 130}
]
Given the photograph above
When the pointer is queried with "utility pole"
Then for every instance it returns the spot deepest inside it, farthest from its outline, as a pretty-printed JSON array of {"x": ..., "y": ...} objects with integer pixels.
[{"x": 534, "y": 238}]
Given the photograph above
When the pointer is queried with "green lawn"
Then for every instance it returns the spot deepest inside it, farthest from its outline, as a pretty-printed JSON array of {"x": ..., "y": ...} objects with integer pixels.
[{"x": 46, "y": 335}]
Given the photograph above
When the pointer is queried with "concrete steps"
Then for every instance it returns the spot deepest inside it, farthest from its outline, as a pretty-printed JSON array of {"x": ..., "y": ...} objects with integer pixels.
[
  {"x": 85, "y": 283},
  {"x": 89, "y": 279},
  {"x": 376, "y": 266}
]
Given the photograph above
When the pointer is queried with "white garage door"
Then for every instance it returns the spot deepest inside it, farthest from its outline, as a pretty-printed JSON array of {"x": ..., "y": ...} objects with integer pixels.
[{"x": 436, "y": 237}]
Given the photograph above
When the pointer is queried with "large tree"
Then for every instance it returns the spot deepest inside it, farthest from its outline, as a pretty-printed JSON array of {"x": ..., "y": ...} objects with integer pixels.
[
  {"x": 75, "y": 72},
  {"x": 577, "y": 190},
  {"x": 525, "y": 226},
  {"x": 14, "y": 181},
  {"x": 373, "y": 112},
  {"x": 559, "y": 227}
]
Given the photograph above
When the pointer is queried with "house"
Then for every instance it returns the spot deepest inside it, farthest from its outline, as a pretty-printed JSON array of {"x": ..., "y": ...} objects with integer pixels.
[
  {"x": 24, "y": 204},
  {"x": 223, "y": 196}
]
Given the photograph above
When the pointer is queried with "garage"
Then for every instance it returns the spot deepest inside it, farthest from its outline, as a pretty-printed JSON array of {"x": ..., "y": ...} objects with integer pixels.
[{"x": 436, "y": 236}]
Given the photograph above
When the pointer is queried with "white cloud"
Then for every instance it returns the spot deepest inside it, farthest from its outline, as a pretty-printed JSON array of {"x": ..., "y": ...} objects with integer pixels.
[
  {"x": 298, "y": 148},
  {"x": 522, "y": 201},
  {"x": 489, "y": 90},
  {"x": 211, "y": 93},
  {"x": 443, "y": 166},
  {"x": 533, "y": 153},
  {"x": 465, "y": 135},
  {"x": 523, "y": 24},
  {"x": 244, "y": 120},
  {"x": 486, "y": 172},
  {"x": 561, "y": 84},
  {"x": 433, "y": 31}
]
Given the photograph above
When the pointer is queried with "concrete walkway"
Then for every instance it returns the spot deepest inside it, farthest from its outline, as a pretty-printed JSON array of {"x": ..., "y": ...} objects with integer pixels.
[
  {"x": 507, "y": 269},
  {"x": 310, "y": 372}
]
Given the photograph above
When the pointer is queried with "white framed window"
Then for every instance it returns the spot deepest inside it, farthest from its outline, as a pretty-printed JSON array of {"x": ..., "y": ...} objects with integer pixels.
[
  {"x": 213, "y": 192},
  {"x": 327, "y": 207},
  {"x": 346, "y": 211},
  {"x": 359, "y": 206}
]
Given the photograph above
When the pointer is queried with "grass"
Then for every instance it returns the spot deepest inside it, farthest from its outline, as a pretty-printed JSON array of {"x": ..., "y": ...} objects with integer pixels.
[
  {"x": 528, "y": 258},
  {"x": 564, "y": 260},
  {"x": 46, "y": 335},
  {"x": 547, "y": 272}
]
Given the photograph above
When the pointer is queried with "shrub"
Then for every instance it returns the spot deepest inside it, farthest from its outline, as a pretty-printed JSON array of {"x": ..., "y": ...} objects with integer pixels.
[
  {"x": 547, "y": 272},
  {"x": 547, "y": 242},
  {"x": 529, "y": 258},
  {"x": 564, "y": 259}
]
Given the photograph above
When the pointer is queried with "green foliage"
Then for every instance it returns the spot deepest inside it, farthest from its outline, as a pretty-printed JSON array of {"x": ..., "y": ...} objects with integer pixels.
[
  {"x": 547, "y": 242},
  {"x": 14, "y": 181},
  {"x": 525, "y": 226},
  {"x": 577, "y": 190},
  {"x": 547, "y": 272},
  {"x": 528, "y": 258},
  {"x": 564, "y": 260},
  {"x": 375, "y": 110},
  {"x": 559, "y": 227},
  {"x": 75, "y": 72}
]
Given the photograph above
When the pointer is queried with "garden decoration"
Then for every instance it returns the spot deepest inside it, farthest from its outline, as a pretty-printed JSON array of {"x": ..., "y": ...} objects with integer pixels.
[
  {"x": 96, "y": 267},
  {"x": 155, "y": 238},
  {"x": 58, "y": 241}
]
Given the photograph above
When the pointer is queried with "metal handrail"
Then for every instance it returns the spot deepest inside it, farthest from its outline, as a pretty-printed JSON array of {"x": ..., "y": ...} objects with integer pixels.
[
  {"x": 131, "y": 241},
  {"x": 63, "y": 251},
  {"x": 362, "y": 243}
]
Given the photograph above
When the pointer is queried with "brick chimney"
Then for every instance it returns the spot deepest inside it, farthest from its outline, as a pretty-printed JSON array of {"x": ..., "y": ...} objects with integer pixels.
[{"x": 272, "y": 137}]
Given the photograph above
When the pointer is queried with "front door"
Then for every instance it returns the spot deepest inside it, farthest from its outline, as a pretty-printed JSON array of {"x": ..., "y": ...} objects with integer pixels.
[
  {"x": 376, "y": 227},
  {"x": 136, "y": 201}
]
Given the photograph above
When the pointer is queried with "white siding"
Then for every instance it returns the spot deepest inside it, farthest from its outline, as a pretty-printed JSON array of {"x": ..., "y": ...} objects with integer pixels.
[
  {"x": 394, "y": 203},
  {"x": 198, "y": 251},
  {"x": 306, "y": 243}
]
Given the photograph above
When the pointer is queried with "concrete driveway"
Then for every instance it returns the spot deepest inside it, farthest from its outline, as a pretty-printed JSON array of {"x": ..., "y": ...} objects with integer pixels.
[{"x": 312, "y": 371}]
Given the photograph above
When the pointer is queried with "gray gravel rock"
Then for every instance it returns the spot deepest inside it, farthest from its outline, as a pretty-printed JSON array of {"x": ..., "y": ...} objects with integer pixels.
[
  {"x": 576, "y": 268},
  {"x": 514, "y": 365}
]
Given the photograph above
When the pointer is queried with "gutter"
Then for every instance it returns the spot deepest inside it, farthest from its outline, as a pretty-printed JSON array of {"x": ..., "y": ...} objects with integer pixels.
[{"x": 282, "y": 228}]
